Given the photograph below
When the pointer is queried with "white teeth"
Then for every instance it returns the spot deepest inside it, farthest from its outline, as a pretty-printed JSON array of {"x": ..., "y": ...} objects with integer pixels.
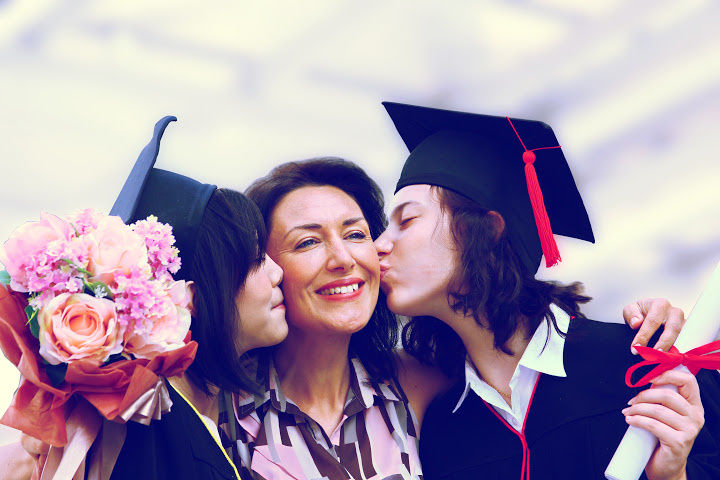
[{"x": 345, "y": 289}]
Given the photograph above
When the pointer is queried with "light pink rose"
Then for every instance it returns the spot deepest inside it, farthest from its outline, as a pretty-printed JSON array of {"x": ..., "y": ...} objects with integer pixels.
[
  {"x": 167, "y": 329},
  {"x": 114, "y": 247},
  {"x": 28, "y": 241},
  {"x": 75, "y": 326},
  {"x": 180, "y": 293}
]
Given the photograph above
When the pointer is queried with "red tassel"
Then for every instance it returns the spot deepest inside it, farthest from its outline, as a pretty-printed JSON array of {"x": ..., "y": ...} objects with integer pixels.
[{"x": 547, "y": 240}]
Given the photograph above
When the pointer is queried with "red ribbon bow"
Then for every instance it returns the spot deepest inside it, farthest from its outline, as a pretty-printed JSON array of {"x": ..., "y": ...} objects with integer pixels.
[{"x": 706, "y": 356}]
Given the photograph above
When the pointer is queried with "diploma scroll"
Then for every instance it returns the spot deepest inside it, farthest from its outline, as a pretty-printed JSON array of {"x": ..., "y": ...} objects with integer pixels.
[{"x": 701, "y": 327}]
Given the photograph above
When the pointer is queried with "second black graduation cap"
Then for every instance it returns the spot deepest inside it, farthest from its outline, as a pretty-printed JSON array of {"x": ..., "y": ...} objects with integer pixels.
[
  {"x": 173, "y": 198},
  {"x": 510, "y": 165}
]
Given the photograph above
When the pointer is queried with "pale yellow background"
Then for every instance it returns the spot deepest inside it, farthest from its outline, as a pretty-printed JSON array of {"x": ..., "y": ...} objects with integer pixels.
[{"x": 631, "y": 87}]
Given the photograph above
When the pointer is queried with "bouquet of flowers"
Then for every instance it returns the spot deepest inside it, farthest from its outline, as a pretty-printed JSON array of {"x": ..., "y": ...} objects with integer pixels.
[{"x": 91, "y": 316}]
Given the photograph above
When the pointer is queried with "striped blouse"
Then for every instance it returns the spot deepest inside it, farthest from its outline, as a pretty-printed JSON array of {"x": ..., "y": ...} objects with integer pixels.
[{"x": 274, "y": 440}]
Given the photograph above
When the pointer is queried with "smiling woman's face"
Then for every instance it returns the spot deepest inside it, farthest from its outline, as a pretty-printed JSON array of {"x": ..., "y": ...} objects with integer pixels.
[{"x": 319, "y": 237}]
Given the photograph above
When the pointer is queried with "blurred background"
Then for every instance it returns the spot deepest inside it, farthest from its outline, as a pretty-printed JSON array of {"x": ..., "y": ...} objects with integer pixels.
[{"x": 632, "y": 90}]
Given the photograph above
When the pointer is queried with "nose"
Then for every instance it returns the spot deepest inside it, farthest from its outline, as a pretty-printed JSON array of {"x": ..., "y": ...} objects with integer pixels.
[
  {"x": 383, "y": 244},
  {"x": 275, "y": 272},
  {"x": 339, "y": 257}
]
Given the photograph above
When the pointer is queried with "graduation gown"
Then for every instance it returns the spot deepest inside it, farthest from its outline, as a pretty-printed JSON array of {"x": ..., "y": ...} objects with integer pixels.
[
  {"x": 573, "y": 424},
  {"x": 176, "y": 447}
]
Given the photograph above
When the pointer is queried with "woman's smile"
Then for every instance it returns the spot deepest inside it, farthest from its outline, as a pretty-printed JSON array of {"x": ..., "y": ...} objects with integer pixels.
[{"x": 341, "y": 290}]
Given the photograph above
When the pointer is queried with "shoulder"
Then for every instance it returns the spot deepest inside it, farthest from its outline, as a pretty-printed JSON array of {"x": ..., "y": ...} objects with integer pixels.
[
  {"x": 442, "y": 436},
  {"x": 601, "y": 341},
  {"x": 421, "y": 383}
]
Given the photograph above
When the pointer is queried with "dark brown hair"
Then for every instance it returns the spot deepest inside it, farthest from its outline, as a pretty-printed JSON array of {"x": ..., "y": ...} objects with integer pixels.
[
  {"x": 491, "y": 283},
  {"x": 230, "y": 245},
  {"x": 375, "y": 343}
]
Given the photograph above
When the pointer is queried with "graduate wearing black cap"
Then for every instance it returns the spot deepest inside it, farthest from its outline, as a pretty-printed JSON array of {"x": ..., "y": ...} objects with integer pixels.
[
  {"x": 228, "y": 230},
  {"x": 179, "y": 445},
  {"x": 542, "y": 391}
]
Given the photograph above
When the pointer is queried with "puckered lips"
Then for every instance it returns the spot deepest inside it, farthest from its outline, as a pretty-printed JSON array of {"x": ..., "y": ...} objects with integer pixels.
[
  {"x": 383, "y": 270},
  {"x": 278, "y": 301},
  {"x": 340, "y": 290}
]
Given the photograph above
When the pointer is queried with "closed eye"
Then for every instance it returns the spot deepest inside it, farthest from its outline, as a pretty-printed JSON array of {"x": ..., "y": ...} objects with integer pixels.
[{"x": 405, "y": 221}]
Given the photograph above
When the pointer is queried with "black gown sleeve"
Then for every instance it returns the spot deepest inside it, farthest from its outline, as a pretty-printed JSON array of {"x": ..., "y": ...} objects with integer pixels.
[{"x": 704, "y": 459}]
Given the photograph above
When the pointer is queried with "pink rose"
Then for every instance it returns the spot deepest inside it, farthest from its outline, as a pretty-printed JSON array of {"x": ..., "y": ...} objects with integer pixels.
[
  {"x": 30, "y": 240},
  {"x": 75, "y": 326},
  {"x": 114, "y": 247},
  {"x": 180, "y": 293},
  {"x": 166, "y": 330}
]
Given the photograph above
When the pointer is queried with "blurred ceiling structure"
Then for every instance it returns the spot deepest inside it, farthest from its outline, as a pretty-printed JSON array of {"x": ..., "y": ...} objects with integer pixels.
[{"x": 632, "y": 90}]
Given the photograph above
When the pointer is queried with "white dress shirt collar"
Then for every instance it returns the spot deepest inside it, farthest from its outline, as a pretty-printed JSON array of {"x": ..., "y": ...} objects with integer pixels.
[{"x": 543, "y": 354}]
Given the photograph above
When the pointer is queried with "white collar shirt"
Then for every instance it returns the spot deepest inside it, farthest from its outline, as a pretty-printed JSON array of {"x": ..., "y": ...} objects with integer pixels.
[{"x": 534, "y": 361}]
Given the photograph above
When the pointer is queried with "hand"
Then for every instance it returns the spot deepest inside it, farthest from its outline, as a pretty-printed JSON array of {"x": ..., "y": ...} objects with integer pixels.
[
  {"x": 649, "y": 314},
  {"x": 15, "y": 463},
  {"x": 674, "y": 417},
  {"x": 33, "y": 446}
]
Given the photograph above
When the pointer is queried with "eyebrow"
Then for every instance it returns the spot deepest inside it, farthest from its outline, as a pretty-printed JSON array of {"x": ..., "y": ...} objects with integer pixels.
[{"x": 317, "y": 226}]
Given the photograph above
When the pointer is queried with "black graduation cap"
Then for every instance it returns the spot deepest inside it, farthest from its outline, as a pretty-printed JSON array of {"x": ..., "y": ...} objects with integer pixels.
[
  {"x": 513, "y": 166},
  {"x": 174, "y": 199}
]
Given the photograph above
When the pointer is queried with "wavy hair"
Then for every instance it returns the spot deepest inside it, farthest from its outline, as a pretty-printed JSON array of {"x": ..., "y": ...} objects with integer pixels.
[
  {"x": 491, "y": 284},
  {"x": 375, "y": 343}
]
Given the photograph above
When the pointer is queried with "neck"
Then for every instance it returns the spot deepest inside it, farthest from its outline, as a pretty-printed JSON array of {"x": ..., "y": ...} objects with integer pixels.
[
  {"x": 494, "y": 366},
  {"x": 314, "y": 371},
  {"x": 203, "y": 403}
]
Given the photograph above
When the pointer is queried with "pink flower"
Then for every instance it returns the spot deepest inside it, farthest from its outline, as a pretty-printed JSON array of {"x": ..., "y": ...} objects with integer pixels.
[
  {"x": 159, "y": 240},
  {"x": 166, "y": 329},
  {"x": 75, "y": 326},
  {"x": 26, "y": 248},
  {"x": 114, "y": 248},
  {"x": 180, "y": 293},
  {"x": 85, "y": 220}
]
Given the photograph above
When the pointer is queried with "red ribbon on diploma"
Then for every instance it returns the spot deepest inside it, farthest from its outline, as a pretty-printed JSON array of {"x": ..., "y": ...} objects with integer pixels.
[{"x": 706, "y": 356}]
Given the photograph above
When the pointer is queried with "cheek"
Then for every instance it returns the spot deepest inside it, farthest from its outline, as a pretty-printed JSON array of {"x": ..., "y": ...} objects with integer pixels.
[
  {"x": 367, "y": 257},
  {"x": 255, "y": 293}
]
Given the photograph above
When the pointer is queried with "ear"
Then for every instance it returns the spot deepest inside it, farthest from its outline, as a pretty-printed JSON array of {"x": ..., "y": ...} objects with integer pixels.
[
  {"x": 498, "y": 223},
  {"x": 190, "y": 290}
]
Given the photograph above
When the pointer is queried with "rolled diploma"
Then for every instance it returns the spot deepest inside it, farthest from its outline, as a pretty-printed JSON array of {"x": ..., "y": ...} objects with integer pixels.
[{"x": 701, "y": 327}]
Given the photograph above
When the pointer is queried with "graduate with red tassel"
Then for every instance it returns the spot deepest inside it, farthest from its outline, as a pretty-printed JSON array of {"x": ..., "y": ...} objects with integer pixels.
[{"x": 540, "y": 388}]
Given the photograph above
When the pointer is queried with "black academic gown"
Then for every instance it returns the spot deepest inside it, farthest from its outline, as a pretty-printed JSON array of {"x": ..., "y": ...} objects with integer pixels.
[
  {"x": 176, "y": 447},
  {"x": 573, "y": 425}
]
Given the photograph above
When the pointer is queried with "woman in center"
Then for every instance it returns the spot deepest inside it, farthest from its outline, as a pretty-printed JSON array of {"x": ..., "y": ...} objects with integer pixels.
[
  {"x": 338, "y": 401},
  {"x": 331, "y": 406}
]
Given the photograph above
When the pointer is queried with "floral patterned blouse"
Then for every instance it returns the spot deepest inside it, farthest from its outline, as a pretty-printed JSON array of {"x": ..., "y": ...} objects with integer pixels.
[{"x": 270, "y": 438}]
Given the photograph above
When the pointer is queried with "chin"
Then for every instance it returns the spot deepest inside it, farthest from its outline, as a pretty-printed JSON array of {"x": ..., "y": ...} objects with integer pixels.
[
  {"x": 281, "y": 336},
  {"x": 401, "y": 305},
  {"x": 351, "y": 325}
]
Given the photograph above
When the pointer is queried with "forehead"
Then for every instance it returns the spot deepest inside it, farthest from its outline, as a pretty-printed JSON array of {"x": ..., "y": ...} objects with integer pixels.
[
  {"x": 421, "y": 194},
  {"x": 314, "y": 204}
]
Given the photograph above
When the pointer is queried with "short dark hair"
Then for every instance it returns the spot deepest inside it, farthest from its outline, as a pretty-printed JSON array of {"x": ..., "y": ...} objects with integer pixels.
[
  {"x": 375, "y": 343},
  {"x": 490, "y": 282},
  {"x": 230, "y": 244}
]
